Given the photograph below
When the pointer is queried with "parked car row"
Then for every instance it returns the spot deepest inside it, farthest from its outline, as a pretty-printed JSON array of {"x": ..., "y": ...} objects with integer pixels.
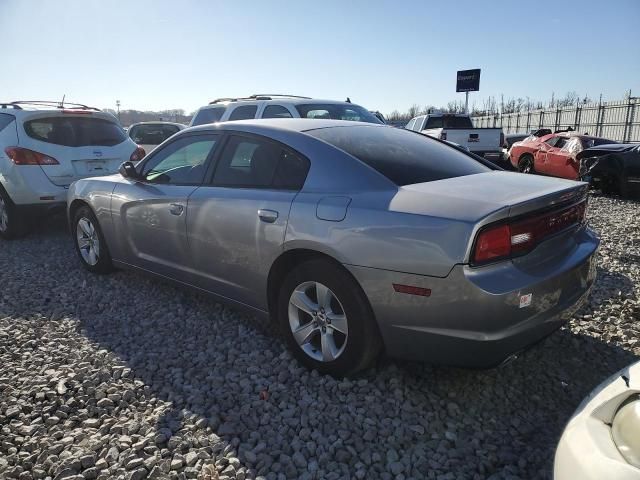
[
  {"x": 605, "y": 164},
  {"x": 352, "y": 237}
]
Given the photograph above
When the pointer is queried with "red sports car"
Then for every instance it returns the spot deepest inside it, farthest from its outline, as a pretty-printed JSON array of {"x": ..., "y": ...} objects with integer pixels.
[{"x": 553, "y": 154}]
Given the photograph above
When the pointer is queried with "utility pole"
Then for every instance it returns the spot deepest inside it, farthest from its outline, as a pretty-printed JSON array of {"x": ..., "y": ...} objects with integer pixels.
[{"x": 118, "y": 107}]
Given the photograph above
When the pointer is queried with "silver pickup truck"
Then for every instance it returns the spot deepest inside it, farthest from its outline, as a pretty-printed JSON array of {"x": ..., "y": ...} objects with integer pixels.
[{"x": 458, "y": 128}]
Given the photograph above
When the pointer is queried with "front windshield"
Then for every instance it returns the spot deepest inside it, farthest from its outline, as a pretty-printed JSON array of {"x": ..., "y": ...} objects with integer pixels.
[{"x": 338, "y": 111}]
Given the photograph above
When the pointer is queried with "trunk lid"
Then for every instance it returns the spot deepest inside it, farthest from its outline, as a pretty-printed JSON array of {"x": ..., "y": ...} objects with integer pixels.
[
  {"x": 82, "y": 162},
  {"x": 486, "y": 197}
]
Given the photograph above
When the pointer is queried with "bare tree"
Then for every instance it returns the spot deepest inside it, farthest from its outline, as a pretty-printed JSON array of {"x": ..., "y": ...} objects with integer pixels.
[{"x": 413, "y": 111}]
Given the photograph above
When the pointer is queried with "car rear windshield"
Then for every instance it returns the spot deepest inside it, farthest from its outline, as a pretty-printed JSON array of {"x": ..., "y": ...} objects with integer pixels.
[
  {"x": 448, "y": 121},
  {"x": 403, "y": 156},
  {"x": 152, "y": 134},
  {"x": 336, "y": 112},
  {"x": 76, "y": 131},
  {"x": 208, "y": 115}
]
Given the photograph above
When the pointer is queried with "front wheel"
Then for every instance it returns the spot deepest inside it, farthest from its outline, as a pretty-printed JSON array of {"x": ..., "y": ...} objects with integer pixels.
[
  {"x": 327, "y": 320},
  {"x": 90, "y": 243},
  {"x": 525, "y": 164}
]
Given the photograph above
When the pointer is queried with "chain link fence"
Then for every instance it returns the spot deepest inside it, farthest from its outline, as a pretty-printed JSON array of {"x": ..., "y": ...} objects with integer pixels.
[{"x": 617, "y": 120}]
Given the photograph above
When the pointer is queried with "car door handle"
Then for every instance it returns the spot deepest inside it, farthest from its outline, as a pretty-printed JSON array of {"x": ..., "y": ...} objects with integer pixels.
[
  {"x": 176, "y": 209},
  {"x": 268, "y": 216}
]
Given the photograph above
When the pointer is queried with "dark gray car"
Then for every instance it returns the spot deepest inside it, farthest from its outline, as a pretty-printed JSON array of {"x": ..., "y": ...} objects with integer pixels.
[{"x": 354, "y": 238}]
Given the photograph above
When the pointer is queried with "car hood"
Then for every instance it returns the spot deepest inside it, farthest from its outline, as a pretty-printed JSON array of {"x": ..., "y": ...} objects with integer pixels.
[
  {"x": 606, "y": 149},
  {"x": 486, "y": 196}
]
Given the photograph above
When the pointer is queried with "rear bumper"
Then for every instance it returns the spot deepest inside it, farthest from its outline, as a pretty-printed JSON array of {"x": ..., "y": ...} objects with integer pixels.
[
  {"x": 28, "y": 185},
  {"x": 474, "y": 317}
]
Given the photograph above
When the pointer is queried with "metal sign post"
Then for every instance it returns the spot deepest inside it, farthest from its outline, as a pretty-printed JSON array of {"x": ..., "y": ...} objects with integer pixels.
[{"x": 468, "y": 81}]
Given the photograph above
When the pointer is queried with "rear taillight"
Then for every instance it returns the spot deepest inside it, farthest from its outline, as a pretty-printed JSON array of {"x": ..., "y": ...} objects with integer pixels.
[
  {"x": 492, "y": 244},
  {"x": 443, "y": 135},
  {"x": 508, "y": 240},
  {"x": 137, "y": 155},
  {"x": 24, "y": 156}
]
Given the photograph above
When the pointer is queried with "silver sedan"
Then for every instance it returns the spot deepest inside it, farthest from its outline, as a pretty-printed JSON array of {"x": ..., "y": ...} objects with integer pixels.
[{"x": 351, "y": 238}]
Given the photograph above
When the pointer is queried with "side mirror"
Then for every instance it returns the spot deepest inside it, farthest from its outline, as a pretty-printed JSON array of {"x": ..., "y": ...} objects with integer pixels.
[{"x": 128, "y": 170}]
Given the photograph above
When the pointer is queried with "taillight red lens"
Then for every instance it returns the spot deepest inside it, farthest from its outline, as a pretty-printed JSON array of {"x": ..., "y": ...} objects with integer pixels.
[
  {"x": 24, "y": 156},
  {"x": 138, "y": 154},
  {"x": 519, "y": 237},
  {"x": 493, "y": 243}
]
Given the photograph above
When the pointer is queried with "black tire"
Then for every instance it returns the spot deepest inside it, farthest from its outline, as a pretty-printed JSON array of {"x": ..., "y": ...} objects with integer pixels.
[
  {"x": 103, "y": 263},
  {"x": 362, "y": 344},
  {"x": 623, "y": 187},
  {"x": 525, "y": 164},
  {"x": 608, "y": 185},
  {"x": 12, "y": 224}
]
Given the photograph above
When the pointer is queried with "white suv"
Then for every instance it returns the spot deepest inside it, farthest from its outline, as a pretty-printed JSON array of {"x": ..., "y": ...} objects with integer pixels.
[
  {"x": 279, "y": 106},
  {"x": 44, "y": 147}
]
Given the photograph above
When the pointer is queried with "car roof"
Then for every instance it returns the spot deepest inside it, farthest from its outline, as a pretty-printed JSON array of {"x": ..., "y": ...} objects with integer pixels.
[
  {"x": 292, "y": 124},
  {"x": 277, "y": 101}
]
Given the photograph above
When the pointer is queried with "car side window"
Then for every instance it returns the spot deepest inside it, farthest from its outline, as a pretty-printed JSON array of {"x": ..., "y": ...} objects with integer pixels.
[
  {"x": 434, "y": 122},
  {"x": 552, "y": 141},
  {"x": 411, "y": 123},
  {"x": 243, "y": 112},
  {"x": 181, "y": 162},
  {"x": 291, "y": 171},
  {"x": 276, "y": 111},
  {"x": 560, "y": 142},
  {"x": 248, "y": 162}
]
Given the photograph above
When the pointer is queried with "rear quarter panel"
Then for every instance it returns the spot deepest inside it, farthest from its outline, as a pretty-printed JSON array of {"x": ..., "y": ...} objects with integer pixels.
[{"x": 373, "y": 235}]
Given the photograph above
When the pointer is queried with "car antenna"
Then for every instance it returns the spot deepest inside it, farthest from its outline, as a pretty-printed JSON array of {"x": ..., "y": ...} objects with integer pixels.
[
  {"x": 348, "y": 100},
  {"x": 62, "y": 102}
]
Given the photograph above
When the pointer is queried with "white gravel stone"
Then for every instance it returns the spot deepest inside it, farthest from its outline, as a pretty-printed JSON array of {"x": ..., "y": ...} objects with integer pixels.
[{"x": 121, "y": 376}]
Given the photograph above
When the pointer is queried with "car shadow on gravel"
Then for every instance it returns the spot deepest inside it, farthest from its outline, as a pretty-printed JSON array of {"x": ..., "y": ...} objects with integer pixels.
[{"x": 223, "y": 379}]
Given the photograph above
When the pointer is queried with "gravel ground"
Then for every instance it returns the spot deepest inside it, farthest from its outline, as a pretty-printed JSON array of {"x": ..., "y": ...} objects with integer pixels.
[{"x": 124, "y": 377}]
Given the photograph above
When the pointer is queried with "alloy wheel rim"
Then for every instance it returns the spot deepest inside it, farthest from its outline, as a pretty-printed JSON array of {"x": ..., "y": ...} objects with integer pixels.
[
  {"x": 4, "y": 216},
  {"x": 318, "y": 321},
  {"x": 88, "y": 241}
]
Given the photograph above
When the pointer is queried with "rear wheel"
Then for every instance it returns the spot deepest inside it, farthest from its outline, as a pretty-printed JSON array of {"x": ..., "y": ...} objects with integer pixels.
[
  {"x": 525, "y": 164},
  {"x": 327, "y": 320},
  {"x": 90, "y": 243},
  {"x": 12, "y": 225},
  {"x": 623, "y": 187}
]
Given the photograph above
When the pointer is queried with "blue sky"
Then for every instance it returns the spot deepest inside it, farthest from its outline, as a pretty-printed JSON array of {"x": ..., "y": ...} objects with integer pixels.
[{"x": 385, "y": 55}]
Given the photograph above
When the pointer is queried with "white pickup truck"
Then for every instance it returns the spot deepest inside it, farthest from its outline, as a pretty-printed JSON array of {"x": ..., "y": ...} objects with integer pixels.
[{"x": 458, "y": 128}]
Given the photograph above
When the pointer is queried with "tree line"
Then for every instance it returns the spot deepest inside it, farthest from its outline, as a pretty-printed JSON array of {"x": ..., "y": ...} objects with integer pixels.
[
  {"x": 491, "y": 106},
  {"x": 128, "y": 117}
]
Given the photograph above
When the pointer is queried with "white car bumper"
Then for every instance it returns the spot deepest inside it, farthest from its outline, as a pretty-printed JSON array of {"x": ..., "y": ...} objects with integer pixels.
[{"x": 587, "y": 449}]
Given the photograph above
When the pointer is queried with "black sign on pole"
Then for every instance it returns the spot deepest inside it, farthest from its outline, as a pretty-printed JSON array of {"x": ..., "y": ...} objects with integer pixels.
[{"x": 468, "y": 80}]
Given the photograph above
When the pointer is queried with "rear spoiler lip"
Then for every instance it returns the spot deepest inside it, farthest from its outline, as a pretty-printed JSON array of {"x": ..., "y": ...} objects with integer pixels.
[{"x": 549, "y": 201}]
